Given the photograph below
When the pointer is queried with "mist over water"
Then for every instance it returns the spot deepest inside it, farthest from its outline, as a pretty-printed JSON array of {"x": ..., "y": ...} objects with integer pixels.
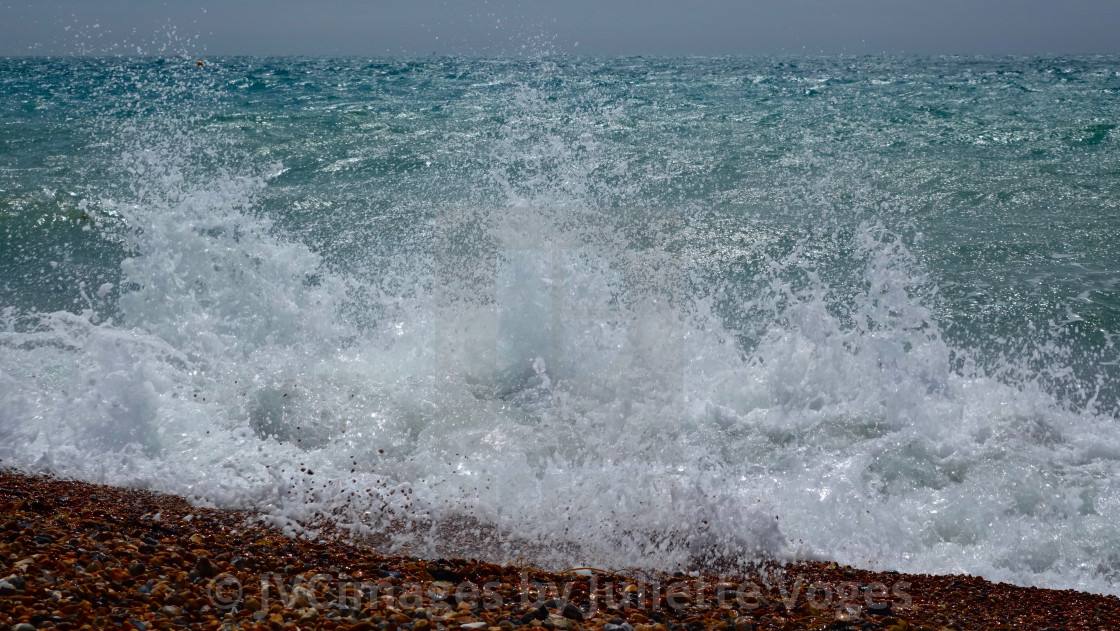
[{"x": 623, "y": 312}]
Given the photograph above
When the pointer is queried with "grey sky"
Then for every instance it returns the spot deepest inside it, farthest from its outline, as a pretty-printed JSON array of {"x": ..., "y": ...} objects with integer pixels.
[{"x": 651, "y": 27}]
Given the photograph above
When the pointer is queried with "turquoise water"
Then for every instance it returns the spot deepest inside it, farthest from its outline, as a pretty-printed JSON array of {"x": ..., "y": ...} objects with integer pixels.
[{"x": 637, "y": 305}]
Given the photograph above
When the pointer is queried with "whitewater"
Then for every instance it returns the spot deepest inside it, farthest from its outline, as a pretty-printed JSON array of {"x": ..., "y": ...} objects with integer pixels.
[{"x": 623, "y": 312}]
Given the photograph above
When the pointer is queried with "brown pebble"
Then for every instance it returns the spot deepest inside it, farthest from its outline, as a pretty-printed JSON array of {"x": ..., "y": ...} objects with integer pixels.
[{"x": 205, "y": 568}]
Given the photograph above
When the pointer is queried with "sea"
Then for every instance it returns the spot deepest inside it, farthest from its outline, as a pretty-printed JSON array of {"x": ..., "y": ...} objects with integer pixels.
[{"x": 627, "y": 312}]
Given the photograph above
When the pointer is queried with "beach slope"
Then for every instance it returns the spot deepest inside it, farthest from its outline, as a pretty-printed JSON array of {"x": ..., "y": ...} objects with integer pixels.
[{"x": 82, "y": 556}]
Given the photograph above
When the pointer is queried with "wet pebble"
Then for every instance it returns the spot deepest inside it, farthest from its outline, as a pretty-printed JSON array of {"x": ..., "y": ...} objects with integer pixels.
[
  {"x": 8, "y": 587},
  {"x": 572, "y": 612},
  {"x": 444, "y": 574},
  {"x": 879, "y": 609},
  {"x": 554, "y": 621},
  {"x": 205, "y": 568},
  {"x": 540, "y": 613}
]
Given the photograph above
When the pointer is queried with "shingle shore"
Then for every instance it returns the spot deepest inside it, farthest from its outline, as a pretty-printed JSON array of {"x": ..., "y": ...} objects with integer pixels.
[{"x": 83, "y": 556}]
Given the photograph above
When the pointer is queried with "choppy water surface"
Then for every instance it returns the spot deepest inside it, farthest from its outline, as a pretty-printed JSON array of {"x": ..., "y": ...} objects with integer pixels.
[{"x": 640, "y": 311}]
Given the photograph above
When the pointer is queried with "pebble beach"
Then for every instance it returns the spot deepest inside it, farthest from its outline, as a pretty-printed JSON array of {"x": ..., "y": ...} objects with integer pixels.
[{"x": 81, "y": 556}]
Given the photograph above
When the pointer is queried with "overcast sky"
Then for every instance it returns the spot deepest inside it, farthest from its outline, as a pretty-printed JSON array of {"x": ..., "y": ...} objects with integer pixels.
[{"x": 649, "y": 27}]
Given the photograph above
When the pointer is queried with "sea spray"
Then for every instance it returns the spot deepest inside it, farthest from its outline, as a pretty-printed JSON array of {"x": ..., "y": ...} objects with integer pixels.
[{"x": 646, "y": 313}]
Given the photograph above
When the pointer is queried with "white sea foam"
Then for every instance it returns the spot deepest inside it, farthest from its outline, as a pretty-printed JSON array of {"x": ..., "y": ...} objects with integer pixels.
[{"x": 559, "y": 372}]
